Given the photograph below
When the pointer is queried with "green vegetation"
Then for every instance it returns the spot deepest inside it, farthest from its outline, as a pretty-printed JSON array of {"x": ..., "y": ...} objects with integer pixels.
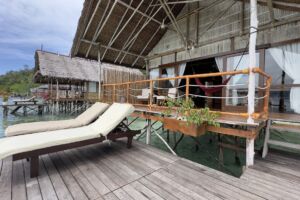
[
  {"x": 185, "y": 108},
  {"x": 17, "y": 82}
]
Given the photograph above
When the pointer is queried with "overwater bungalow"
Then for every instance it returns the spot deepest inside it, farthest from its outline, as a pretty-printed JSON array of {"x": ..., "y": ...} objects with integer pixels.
[
  {"x": 238, "y": 58},
  {"x": 77, "y": 79}
]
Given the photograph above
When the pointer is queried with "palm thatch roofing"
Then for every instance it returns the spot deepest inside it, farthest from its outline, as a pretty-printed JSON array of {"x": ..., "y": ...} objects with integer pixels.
[
  {"x": 104, "y": 21},
  {"x": 66, "y": 69},
  {"x": 126, "y": 31}
]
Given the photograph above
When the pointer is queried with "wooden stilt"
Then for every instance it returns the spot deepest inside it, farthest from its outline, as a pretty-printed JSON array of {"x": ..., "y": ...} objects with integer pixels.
[
  {"x": 148, "y": 134},
  {"x": 267, "y": 137}
]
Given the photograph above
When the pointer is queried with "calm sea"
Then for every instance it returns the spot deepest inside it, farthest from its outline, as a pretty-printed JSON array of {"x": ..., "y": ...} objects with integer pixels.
[{"x": 31, "y": 117}]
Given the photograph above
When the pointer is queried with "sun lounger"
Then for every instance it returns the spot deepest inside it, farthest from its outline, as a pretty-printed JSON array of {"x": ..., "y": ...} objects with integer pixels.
[
  {"x": 90, "y": 115},
  {"x": 109, "y": 126}
]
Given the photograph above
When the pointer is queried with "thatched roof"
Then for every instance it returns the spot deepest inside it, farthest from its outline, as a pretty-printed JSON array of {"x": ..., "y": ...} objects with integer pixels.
[
  {"x": 101, "y": 20},
  {"x": 51, "y": 65},
  {"x": 150, "y": 33}
]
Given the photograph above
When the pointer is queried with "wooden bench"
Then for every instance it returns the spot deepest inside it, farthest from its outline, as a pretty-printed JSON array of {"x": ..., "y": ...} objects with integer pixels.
[{"x": 293, "y": 125}]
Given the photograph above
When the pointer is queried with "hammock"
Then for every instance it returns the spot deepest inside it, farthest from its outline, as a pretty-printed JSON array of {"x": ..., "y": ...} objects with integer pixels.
[{"x": 210, "y": 90}]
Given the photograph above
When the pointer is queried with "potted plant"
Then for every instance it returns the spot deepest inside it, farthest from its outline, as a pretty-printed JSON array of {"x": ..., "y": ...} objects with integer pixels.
[{"x": 186, "y": 119}]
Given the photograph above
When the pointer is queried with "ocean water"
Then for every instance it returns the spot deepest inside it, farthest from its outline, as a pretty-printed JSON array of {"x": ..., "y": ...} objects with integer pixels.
[{"x": 6, "y": 121}]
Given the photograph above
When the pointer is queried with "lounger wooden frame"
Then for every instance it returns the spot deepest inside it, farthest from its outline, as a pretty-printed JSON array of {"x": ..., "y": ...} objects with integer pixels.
[{"x": 33, "y": 156}]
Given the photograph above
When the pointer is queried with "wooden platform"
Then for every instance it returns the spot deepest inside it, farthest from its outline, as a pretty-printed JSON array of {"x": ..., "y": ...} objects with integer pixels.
[{"x": 143, "y": 172}]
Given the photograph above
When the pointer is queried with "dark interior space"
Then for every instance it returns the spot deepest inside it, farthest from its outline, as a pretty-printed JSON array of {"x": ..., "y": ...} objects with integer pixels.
[{"x": 203, "y": 67}]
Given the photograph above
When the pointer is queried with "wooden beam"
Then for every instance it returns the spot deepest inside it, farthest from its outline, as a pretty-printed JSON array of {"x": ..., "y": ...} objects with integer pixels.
[
  {"x": 271, "y": 11},
  {"x": 291, "y": 5},
  {"x": 131, "y": 34},
  {"x": 100, "y": 26},
  {"x": 111, "y": 48},
  {"x": 242, "y": 16}
]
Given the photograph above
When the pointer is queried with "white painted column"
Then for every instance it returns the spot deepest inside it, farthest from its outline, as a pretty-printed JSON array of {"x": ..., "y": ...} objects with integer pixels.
[
  {"x": 148, "y": 133},
  {"x": 251, "y": 84}
]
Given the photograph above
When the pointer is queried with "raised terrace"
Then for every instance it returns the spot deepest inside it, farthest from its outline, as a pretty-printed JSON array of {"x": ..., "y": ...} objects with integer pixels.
[{"x": 114, "y": 172}]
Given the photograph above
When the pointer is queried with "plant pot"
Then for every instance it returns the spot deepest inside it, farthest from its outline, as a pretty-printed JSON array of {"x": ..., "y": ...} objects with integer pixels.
[
  {"x": 183, "y": 127},
  {"x": 4, "y": 103}
]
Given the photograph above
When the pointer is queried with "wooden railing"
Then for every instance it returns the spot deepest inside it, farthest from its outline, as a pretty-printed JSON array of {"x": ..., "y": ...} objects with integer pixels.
[{"x": 129, "y": 92}]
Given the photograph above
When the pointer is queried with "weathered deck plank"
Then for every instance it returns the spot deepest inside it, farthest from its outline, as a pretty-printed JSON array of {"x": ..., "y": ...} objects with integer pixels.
[
  {"x": 32, "y": 184},
  {"x": 70, "y": 182},
  {"x": 6, "y": 179},
  {"x": 45, "y": 183},
  {"x": 104, "y": 172},
  {"x": 18, "y": 182},
  {"x": 85, "y": 185}
]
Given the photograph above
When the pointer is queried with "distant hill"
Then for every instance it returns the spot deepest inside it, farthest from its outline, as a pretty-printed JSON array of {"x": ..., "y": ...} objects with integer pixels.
[{"x": 17, "y": 82}]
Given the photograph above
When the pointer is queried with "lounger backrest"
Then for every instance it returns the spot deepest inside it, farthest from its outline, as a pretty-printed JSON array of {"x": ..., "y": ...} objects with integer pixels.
[
  {"x": 92, "y": 113},
  {"x": 145, "y": 92},
  {"x": 172, "y": 93},
  {"x": 112, "y": 117}
]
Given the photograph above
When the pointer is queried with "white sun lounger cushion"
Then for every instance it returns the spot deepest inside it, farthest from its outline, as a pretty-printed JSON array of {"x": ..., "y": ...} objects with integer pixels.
[
  {"x": 105, "y": 124},
  {"x": 84, "y": 119}
]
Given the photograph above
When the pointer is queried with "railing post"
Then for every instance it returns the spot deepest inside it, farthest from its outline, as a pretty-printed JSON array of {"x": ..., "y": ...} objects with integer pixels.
[
  {"x": 151, "y": 93},
  {"x": 187, "y": 88},
  {"x": 127, "y": 94}
]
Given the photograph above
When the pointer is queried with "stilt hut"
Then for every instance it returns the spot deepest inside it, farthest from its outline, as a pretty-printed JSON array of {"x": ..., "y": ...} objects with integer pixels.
[
  {"x": 77, "y": 79},
  {"x": 220, "y": 53}
]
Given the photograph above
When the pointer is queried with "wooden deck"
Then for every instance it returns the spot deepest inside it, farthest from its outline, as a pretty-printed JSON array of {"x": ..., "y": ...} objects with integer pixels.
[{"x": 143, "y": 172}]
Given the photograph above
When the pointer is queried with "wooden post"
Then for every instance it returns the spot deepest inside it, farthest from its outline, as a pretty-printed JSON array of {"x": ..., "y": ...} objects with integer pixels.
[
  {"x": 151, "y": 93},
  {"x": 267, "y": 137},
  {"x": 187, "y": 88},
  {"x": 251, "y": 84}
]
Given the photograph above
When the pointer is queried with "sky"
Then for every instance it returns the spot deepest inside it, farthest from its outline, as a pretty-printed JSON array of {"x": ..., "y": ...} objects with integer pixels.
[{"x": 26, "y": 25}]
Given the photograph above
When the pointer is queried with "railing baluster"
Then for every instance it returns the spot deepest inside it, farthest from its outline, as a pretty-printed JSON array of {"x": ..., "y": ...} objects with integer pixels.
[
  {"x": 187, "y": 88},
  {"x": 151, "y": 92}
]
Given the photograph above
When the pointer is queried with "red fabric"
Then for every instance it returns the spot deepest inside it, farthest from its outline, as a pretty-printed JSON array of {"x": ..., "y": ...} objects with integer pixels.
[{"x": 210, "y": 90}]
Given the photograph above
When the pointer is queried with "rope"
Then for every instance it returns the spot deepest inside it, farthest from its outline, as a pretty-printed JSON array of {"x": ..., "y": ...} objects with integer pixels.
[
  {"x": 160, "y": 88},
  {"x": 259, "y": 98},
  {"x": 203, "y": 96},
  {"x": 215, "y": 86},
  {"x": 137, "y": 89}
]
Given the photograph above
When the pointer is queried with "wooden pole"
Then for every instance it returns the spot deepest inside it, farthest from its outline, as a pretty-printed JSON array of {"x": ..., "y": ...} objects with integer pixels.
[
  {"x": 187, "y": 88},
  {"x": 151, "y": 93},
  {"x": 251, "y": 84}
]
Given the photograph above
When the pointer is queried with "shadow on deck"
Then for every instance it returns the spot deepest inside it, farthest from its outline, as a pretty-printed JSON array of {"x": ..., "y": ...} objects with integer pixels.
[{"x": 143, "y": 172}]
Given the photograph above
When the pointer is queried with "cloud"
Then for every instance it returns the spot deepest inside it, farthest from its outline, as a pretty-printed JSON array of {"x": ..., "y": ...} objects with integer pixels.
[{"x": 26, "y": 24}]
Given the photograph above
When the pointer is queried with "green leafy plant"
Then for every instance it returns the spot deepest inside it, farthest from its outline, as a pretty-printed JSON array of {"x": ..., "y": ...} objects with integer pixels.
[{"x": 184, "y": 109}]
